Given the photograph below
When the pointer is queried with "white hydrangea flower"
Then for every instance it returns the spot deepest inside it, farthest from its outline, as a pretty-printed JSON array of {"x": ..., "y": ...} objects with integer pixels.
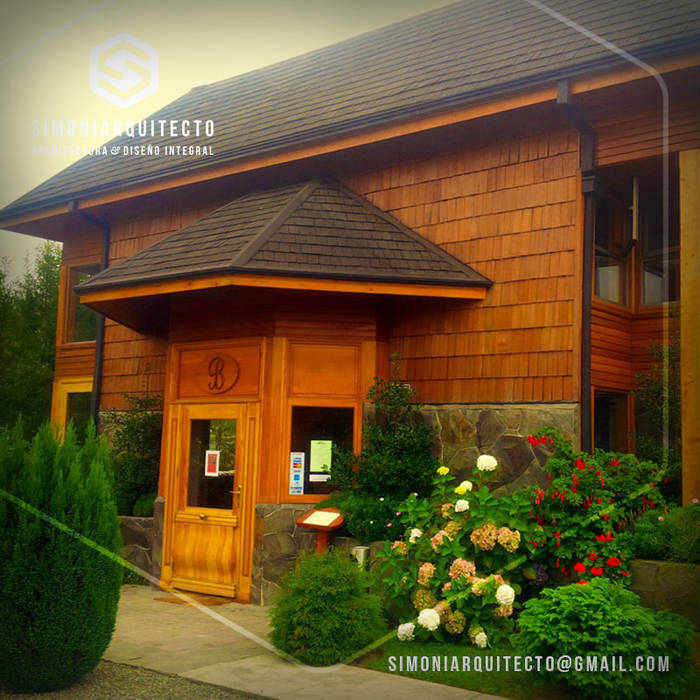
[
  {"x": 405, "y": 632},
  {"x": 486, "y": 463},
  {"x": 505, "y": 595},
  {"x": 481, "y": 640},
  {"x": 429, "y": 618},
  {"x": 461, "y": 506},
  {"x": 414, "y": 535}
]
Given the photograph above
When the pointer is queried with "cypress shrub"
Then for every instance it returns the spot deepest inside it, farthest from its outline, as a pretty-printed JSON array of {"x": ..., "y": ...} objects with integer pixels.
[
  {"x": 58, "y": 595},
  {"x": 324, "y": 613}
]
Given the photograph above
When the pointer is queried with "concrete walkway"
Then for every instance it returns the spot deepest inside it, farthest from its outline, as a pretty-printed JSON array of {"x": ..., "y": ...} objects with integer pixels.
[{"x": 155, "y": 633}]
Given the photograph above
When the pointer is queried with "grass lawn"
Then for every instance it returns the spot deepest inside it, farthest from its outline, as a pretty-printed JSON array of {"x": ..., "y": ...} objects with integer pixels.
[{"x": 515, "y": 685}]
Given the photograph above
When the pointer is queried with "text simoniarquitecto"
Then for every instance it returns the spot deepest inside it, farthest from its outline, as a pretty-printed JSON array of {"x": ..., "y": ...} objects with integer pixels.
[{"x": 93, "y": 129}]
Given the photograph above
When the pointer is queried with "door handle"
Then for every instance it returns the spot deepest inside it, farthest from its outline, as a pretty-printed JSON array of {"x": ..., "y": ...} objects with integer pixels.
[
  {"x": 238, "y": 492},
  {"x": 202, "y": 516}
]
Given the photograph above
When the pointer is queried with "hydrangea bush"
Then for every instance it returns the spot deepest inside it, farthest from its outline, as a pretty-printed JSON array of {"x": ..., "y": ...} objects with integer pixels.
[
  {"x": 461, "y": 558},
  {"x": 589, "y": 500}
]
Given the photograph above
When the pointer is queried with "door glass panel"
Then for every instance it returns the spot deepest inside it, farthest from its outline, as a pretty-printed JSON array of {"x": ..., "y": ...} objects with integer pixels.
[{"x": 205, "y": 491}]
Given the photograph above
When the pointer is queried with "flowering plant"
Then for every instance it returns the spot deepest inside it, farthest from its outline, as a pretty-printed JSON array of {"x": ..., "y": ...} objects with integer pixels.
[
  {"x": 588, "y": 501},
  {"x": 461, "y": 559}
]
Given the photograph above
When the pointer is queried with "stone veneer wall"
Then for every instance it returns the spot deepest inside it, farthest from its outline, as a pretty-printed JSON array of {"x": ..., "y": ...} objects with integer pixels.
[
  {"x": 142, "y": 539},
  {"x": 278, "y": 541},
  {"x": 464, "y": 431}
]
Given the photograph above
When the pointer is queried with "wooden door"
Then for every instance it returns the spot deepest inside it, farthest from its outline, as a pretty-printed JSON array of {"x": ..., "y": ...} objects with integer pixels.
[{"x": 213, "y": 456}]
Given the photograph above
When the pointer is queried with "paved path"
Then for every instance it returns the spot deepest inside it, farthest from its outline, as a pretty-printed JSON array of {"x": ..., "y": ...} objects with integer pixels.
[{"x": 163, "y": 636}]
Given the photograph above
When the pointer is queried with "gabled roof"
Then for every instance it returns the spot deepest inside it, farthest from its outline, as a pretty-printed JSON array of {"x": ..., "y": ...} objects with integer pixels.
[
  {"x": 310, "y": 229},
  {"x": 438, "y": 60}
]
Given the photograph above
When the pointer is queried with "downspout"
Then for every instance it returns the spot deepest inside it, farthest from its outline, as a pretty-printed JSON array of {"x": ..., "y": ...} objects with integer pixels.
[
  {"x": 587, "y": 142},
  {"x": 100, "y": 336}
]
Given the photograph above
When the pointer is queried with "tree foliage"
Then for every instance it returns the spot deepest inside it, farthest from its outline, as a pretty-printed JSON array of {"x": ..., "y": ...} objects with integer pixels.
[
  {"x": 28, "y": 309},
  {"x": 135, "y": 436},
  {"x": 58, "y": 594},
  {"x": 658, "y": 394}
]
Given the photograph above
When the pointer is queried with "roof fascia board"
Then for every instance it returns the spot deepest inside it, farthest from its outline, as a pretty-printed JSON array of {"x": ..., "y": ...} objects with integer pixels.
[{"x": 283, "y": 282}]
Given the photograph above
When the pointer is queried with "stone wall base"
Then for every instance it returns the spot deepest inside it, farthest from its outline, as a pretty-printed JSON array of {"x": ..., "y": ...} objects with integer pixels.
[
  {"x": 464, "y": 431},
  {"x": 668, "y": 585},
  {"x": 142, "y": 539},
  {"x": 278, "y": 541}
]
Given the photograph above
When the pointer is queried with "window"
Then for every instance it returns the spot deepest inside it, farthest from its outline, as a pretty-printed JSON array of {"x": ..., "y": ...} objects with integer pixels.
[
  {"x": 71, "y": 401},
  {"x": 658, "y": 270},
  {"x": 612, "y": 233},
  {"x": 316, "y": 431},
  {"x": 81, "y": 321},
  {"x": 205, "y": 488},
  {"x": 610, "y": 424}
]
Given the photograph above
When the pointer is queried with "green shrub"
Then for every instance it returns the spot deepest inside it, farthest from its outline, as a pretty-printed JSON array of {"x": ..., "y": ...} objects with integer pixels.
[
  {"x": 670, "y": 536},
  {"x": 143, "y": 508},
  {"x": 325, "y": 614},
  {"x": 367, "y": 518},
  {"x": 589, "y": 500},
  {"x": 396, "y": 459},
  {"x": 464, "y": 553},
  {"x": 603, "y": 619},
  {"x": 658, "y": 400},
  {"x": 58, "y": 596},
  {"x": 135, "y": 435}
]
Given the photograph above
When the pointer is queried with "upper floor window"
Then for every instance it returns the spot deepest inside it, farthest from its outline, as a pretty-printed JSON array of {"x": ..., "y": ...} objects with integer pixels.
[
  {"x": 81, "y": 321},
  {"x": 660, "y": 274},
  {"x": 611, "y": 236}
]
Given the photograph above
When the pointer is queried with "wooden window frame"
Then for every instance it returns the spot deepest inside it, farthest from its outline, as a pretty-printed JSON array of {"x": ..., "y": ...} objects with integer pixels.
[
  {"x": 67, "y": 302},
  {"x": 59, "y": 399}
]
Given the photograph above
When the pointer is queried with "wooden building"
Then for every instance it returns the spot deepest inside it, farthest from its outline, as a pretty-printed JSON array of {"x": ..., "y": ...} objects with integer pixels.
[{"x": 488, "y": 190}]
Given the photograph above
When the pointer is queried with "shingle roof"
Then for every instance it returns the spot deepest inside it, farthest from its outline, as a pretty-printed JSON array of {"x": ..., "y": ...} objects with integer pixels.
[
  {"x": 437, "y": 60},
  {"x": 310, "y": 229}
]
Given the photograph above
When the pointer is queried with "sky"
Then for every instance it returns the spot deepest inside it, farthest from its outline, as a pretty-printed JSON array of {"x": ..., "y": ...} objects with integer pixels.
[{"x": 45, "y": 67}]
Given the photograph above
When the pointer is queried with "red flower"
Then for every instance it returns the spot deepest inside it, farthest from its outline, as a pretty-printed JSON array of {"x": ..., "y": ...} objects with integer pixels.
[
  {"x": 532, "y": 440},
  {"x": 596, "y": 570},
  {"x": 666, "y": 480},
  {"x": 605, "y": 517},
  {"x": 651, "y": 486},
  {"x": 593, "y": 556},
  {"x": 613, "y": 561},
  {"x": 652, "y": 504},
  {"x": 557, "y": 534},
  {"x": 601, "y": 538},
  {"x": 534, "y": 543},
  {"x": 610, "y": 536},
  {"x": 573, "y": 489},
  {"x": 580, "y": 464},
  {"x": 614, "y": 462},
  {"x": 549, "y": 476},
  {"x": 582, "y": 582},
  {"x": 561, "y": 497},
  {"x": 579, "y": 567},
  {"x": 598, "y": 500},
  {"x": 625, "y": 573},
  {"x": 551, "y": 441},
  {"x": 610, "y": 501},
  {"x": 558, "y": 543},
  {"x": 543, "y": 440}
]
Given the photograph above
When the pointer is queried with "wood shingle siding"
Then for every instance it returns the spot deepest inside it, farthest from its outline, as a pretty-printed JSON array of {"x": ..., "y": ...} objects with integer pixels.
[{"x": 510, "y": 210}]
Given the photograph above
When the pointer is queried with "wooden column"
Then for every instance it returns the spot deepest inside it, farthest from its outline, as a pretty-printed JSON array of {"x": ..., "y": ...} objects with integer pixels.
[{"x": 689, "y": 165}]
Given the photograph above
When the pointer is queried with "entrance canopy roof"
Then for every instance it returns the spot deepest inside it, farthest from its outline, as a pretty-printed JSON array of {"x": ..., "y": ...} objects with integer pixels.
[{"x": 314, "y": 235}]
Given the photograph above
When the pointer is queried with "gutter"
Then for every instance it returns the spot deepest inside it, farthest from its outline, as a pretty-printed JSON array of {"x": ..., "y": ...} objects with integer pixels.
[
  {"x": 100, "y": 337},
  {"x": 587, "y": 162}
]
